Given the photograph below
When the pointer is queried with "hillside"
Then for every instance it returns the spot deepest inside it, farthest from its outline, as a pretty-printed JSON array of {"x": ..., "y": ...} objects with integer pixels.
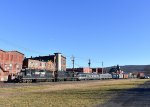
[{"x": 134, "y": 68}]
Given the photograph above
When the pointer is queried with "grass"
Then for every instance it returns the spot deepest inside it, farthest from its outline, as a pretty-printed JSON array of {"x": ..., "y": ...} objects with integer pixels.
[{"x": 65, "y": 95}]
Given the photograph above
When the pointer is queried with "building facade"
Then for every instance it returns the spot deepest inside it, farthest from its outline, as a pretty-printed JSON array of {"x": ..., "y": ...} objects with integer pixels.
[
  {"x": 56, "y": 62},
  {"x": 81, "y": 70},
  {"x": 36, "y": 64},
  {"x": 98, "y": 70},
  {"x": 10, "y": 63}
]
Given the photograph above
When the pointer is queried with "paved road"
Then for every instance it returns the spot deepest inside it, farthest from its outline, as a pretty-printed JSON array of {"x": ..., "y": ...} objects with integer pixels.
[{"x": 136, "y": 97}]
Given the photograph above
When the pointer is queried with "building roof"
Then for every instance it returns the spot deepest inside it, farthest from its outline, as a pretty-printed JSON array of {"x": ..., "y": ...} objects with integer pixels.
[
  {"x": 27, "y": 59},
  {"x": 61, "y": 54},
  {"x": 12, "y": 51},
  {"x": 16, "y": 51},
  {"x": 2, "y": 50},
  {"x": 43, "y": 58}
]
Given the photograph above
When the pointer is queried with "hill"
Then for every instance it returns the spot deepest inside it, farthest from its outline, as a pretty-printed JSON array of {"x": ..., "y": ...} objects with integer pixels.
[{"x": 134, "y": 68}]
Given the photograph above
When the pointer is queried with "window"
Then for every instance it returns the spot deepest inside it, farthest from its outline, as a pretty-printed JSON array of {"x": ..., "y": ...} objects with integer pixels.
[
  {"x": 10, "y": 67},
  {"x": 11, "y": 57},
  {"x": 7, "y": 57},
  {"x": 2, "y": 56},
  {"x": 17, "y": 67}
]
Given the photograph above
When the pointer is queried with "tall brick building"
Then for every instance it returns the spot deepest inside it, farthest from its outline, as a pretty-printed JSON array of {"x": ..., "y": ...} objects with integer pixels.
[
  {"x": 10, "y": 63},
  {"x": 37, "y": 64},
  {"x": 56, "y": 62}
]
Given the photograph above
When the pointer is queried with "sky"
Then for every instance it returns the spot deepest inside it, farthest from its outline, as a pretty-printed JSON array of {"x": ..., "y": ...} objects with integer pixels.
[{"x": 109, "y": 31}]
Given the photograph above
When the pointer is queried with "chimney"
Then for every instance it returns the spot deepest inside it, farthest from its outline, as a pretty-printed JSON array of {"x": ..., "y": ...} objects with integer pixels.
[{"x": 58, "y": 61}]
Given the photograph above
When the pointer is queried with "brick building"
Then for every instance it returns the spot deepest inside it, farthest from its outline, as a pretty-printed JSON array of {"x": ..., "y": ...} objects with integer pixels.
[
  {"x": 82, "y": 70},
  {"x": 56, "y": 62},
  {"x": 10, "y": 63},
  {"x": 36, "y": 64},
  {"x": 87, "y": 70},
  {"x": 98, "y": 70}
]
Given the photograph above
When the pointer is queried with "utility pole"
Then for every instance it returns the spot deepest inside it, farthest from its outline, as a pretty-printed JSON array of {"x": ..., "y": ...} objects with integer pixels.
[
  {"x": 102, "y": 68},
  {"x": 89, "y": 63},
  {"x": 73, "y": 60}
]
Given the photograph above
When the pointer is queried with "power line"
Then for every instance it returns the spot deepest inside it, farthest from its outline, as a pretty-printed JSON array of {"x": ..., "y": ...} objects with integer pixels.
[
  {"x": 78, "y": 65},
  {"x": 8, "y": 42},
  {"x": 19, "y": 46},
  {"x": 85, "y": 60}
]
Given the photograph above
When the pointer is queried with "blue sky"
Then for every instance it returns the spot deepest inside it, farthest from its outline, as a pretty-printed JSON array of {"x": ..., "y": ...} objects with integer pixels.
[{"x": 112, "y": 31}]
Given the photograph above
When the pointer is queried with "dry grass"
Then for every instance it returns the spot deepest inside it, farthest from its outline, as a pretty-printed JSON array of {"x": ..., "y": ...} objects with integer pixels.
[{"x": 74, "y": 94}]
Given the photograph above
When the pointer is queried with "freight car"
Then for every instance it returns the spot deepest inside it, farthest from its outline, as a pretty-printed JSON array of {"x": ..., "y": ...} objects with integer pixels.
[
  {"x": 93, "y": 76},
  {"x": 120, "y": 76},
  {"x": 82, "y": 76},
  {"x": 105, "y": 76},
  {"x": 87, "y": 76},
  {"x": 115, "y": 76},
  {"x": 141, "y": 75},
  {"x": 125, "y": 76}
]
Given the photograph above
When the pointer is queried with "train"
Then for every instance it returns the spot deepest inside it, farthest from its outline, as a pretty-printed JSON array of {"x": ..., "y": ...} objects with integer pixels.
[
  {"x": 93, "y": 76},
  {"x": 141, "y": 75},
  {"x": 34, "y": 75}
]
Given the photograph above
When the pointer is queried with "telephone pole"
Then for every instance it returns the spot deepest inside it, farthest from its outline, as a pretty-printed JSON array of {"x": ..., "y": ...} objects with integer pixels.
[
  {"x": 89, "y": 63},
  {"x": 73, "y": 60},
  {"x": 102, "y": 68}
]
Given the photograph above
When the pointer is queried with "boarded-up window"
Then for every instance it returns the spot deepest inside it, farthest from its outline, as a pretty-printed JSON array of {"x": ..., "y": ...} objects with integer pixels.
[
  {"x": 11, "y": 57},
  {"x": 7, "y": 57},
  {"x": 2, "y": 56},
  {"x": 14, "y": 66},
  {"x": 10, "y": 67},
  {"x": 15, "y": 59}
]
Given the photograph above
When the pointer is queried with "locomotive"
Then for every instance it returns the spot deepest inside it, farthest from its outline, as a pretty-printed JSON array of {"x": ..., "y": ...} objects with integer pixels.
[
  {"x": 32, "y": 75},
  {"x": 35, "y": 75}
]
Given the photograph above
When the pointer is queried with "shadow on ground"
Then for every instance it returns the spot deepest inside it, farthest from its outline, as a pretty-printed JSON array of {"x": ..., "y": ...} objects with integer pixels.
[{"x": 135, "y": 97}]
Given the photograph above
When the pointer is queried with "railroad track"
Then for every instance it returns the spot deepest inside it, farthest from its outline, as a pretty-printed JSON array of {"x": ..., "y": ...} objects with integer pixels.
[{"x": 11, "y": 85}]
